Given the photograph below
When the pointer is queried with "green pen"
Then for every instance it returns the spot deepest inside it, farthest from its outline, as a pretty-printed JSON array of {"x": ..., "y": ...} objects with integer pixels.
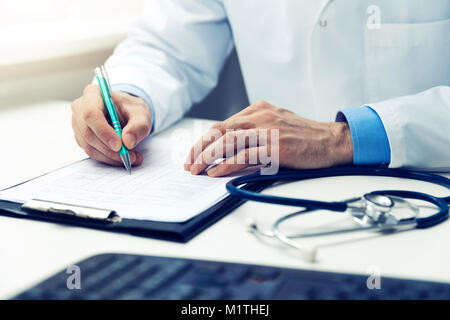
[{"x": 105, "y": 89}]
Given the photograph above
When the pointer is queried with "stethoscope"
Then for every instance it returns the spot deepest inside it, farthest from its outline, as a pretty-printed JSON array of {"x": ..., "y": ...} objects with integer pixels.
[{"x": 372, "y": 211}]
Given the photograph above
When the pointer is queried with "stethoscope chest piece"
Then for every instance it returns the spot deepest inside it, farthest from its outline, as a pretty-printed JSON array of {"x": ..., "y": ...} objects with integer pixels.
[{"x": 376, "y": 210}]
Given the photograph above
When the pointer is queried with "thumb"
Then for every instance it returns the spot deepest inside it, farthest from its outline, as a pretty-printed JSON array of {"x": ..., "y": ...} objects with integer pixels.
[{"x": 137, "y": 128}]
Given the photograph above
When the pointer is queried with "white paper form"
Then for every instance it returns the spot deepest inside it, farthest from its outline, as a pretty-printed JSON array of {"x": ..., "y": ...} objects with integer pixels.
[{"x": 159, "y": 190}]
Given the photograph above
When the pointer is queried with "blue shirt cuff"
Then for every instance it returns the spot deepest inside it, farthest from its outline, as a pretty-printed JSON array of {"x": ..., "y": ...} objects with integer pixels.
[
  {"x": 138, "y": 92},
  {"x": 370, "y": 141}
]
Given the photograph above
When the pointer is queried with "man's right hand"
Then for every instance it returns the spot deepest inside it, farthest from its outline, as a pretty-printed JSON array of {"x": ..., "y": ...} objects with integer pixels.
[{"x": 97, "y": 137}]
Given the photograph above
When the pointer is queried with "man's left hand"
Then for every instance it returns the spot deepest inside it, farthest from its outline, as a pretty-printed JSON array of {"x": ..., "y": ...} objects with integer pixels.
[{"x": 301, "y": 143}]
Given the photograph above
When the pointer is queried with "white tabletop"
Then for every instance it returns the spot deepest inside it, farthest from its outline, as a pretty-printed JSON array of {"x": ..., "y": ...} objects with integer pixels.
[{"x": 39, "y": 138}]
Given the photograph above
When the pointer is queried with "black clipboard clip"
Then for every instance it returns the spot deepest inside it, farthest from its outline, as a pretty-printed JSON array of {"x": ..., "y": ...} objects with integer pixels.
[{"x": 71, "y": 211}]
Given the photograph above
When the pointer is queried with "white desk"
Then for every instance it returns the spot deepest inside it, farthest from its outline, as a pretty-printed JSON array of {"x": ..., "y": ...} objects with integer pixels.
[{"x": 31, "y": 250}]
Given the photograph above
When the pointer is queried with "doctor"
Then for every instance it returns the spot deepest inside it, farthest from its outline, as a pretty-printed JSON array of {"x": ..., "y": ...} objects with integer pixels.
[{"x": 363, "y": 82}]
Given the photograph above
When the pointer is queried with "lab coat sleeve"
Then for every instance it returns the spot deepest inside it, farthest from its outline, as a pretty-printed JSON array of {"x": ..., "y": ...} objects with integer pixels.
[
  {"x": 173, "y": 55},
  {"x": 418, "y": 129}
]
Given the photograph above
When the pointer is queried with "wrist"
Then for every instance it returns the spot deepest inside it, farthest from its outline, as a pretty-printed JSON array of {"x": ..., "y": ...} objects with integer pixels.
[{"x": 342, "y": 144}]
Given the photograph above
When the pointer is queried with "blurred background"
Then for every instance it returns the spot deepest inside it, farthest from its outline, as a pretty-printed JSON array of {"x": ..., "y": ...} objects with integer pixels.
[{"x": 49, "y": 49}]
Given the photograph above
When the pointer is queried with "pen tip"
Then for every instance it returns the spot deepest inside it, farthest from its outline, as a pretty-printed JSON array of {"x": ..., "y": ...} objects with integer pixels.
[{"x": 126, "y": 161}]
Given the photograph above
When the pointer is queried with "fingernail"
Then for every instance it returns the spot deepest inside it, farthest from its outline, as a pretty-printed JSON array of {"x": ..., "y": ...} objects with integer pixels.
[
  {"x": 212, "y": 172},
  {"x": 194, "y": 169},
  {"x": 115, "y": 145},
  {"x": 132, "y": 140}
]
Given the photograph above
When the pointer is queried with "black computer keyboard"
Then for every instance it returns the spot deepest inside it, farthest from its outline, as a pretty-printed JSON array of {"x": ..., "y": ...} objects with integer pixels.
[{"x": 126, "y": 276}]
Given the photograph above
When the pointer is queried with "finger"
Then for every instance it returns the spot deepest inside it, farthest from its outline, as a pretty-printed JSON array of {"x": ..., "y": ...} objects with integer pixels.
[
  {"x": 94, "y": 115},
  {"x": 235, "y": 122},
  {"x": 227, "y": 146},
  {"x": 138, "y": 126},
  {"x": 139, "y": 158},
  {"x": 214, "y": 133},
  {"x": 91, "y": 139},
  {"x": 104, "y": 154},
  {"x": 135, "y": 157},
  {"x": 96, "y": 121},
  {"x": 241, "y": 160},
  {"x": 97, "y": 155}
]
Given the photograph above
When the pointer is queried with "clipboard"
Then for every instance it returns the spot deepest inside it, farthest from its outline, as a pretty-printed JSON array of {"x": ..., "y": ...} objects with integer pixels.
[{"x": 107, "y": 220}]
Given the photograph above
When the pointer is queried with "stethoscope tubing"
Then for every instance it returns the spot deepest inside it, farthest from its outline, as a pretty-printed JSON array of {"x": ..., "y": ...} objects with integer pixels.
[{"x": 341, "y": 206}]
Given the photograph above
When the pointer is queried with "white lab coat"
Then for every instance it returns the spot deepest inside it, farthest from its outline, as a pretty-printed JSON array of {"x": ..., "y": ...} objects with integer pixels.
[{"x": 314, "y": 57}]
